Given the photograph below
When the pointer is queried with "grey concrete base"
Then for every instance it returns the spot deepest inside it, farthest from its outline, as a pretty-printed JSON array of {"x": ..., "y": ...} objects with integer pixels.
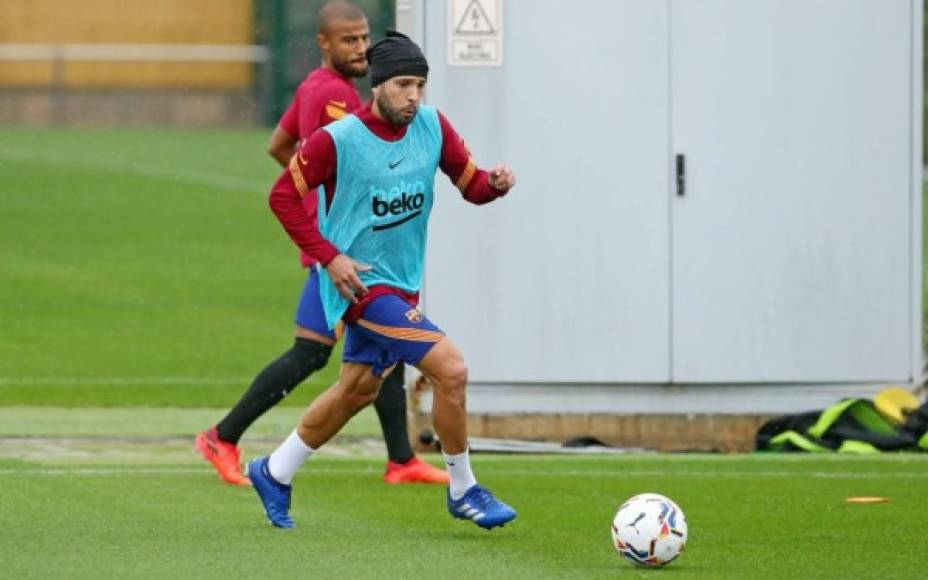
[{"x": 509, "y": 399}]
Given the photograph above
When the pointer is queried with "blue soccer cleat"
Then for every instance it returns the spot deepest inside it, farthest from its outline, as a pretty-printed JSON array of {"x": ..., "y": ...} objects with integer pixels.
[
  {"x": 274, "y": 495},
  {"x": 479, "y": 506}
]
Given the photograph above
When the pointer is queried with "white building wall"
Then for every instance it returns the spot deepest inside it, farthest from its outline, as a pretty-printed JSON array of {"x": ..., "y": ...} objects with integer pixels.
[{"x": 787, "y": 276}]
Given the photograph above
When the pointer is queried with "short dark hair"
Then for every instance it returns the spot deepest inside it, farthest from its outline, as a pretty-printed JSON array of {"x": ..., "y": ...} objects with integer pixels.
[{"x": 335, "y": 10}]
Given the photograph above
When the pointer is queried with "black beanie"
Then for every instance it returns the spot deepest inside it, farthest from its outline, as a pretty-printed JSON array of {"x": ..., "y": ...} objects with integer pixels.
[{"x": 394, "y": 56}]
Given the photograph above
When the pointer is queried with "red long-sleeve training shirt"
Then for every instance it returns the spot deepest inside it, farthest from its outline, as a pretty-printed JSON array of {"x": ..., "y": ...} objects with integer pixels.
[
  {"x": 324, "y": 96},
  {"x": 315, "y": 164}
]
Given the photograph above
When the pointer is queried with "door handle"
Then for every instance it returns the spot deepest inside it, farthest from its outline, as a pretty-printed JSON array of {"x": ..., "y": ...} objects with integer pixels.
[{"x": 681, "y": 174}]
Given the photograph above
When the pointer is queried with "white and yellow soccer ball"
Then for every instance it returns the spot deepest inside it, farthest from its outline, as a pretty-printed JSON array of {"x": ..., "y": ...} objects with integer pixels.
[{"x": 649, "y": 530}]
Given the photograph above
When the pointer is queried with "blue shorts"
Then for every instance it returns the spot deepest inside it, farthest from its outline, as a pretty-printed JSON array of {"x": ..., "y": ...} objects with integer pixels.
[
  {"x": 309, "y": 312},
  {"x": 389, "y": 331}
]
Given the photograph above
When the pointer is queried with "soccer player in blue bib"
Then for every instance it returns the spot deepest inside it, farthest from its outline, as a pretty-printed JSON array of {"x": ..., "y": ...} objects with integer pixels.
[
  {"x": 375, "y": 172},
  {"x": 326, "y": 95}
]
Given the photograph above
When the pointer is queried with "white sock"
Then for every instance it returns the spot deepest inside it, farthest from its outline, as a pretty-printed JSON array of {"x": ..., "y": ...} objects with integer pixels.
[
  {"x": 462, "y": 478},
  {"x": 287, "y": 459}
]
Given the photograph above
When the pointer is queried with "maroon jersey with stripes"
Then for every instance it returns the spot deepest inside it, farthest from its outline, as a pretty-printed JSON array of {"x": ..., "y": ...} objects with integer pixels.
[{"x": 323, "y": 96}]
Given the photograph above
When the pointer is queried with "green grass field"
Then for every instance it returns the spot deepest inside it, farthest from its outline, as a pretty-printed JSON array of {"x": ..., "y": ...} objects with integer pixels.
[
  {"x": 143, "y": 283},
  {"x": 148, "y": 508},
  {"x": 141, "y": 268}
]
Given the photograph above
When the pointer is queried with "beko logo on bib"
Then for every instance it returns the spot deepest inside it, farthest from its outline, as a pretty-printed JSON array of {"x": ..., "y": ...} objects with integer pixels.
[{"x": 397, "y": 202}]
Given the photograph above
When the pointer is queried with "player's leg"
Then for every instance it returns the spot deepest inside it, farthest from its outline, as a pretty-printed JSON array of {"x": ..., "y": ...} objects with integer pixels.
[
  {"x": 445, "y": 368},
  {"x": 390, "y": 322},
  {"x": 391, "y": 410},
  {"x": 357, "y": 387},
  {"x": 358, "y": 382},
  {"x": 278, "y": 379},
  {"x": 409, "y": 336},
  {"x": 402, "y": 466},
  {"x": 309, "y": 353}
]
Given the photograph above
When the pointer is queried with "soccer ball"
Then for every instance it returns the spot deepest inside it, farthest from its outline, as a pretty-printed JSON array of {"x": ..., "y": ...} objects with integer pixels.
[{"x": 649, "y": 530}]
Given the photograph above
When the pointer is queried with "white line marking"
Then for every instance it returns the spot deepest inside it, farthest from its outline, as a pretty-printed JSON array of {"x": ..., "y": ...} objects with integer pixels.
[
  {"x": 103, "y": 471},
  {"x": 213, "y": 180},
  {"x": 121, "y": 381},
  {"x": 572, "y": 473}
]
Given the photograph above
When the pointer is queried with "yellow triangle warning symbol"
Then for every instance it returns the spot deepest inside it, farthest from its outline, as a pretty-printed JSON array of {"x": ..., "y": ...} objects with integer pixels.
[{"x": 475, "y": 20}]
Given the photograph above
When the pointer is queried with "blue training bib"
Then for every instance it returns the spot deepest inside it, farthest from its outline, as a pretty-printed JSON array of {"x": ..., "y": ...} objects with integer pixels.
[{"x": 383, "y": 198}]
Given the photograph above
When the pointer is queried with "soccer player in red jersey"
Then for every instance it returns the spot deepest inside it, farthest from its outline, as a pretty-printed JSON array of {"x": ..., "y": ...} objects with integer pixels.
[
  {"x": 377, "y": 167},
  {"x": 327, "y": 94}
]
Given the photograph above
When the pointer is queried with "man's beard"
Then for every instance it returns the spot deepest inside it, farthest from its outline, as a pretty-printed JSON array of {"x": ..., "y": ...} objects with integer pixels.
[
  {"x": 347, "y": 70},
  {"x": 390, "y": 114}
]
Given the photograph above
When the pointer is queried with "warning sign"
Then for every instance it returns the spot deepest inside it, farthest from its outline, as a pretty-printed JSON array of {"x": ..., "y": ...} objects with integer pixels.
[
  {"x": 474, "y": 20},
  {"x": 475, "y": 32}
]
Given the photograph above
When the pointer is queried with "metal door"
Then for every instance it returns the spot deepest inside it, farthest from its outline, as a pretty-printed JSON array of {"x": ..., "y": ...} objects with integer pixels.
[{"x": 792, "y": 243}]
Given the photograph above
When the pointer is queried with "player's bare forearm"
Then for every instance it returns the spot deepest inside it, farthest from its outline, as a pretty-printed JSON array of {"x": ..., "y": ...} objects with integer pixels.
[
  {"x": 282, "y": 146},
  {"x": 282, "y": 156}
]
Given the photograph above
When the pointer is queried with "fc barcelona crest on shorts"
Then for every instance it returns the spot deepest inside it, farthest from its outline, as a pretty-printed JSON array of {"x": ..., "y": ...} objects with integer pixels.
[{"x": 414, "y": 316}]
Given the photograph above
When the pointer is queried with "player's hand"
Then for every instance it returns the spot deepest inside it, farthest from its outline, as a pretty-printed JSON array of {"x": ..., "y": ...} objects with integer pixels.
[
  {"x": 343, "y": 271},
  {"x": 501, "y": 178}
]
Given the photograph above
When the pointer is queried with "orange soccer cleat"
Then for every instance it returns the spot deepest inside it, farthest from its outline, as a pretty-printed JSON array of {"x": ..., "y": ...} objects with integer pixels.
[
  {"x": 223, "y": 455},
  {"x": 415, "y": 471}
]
